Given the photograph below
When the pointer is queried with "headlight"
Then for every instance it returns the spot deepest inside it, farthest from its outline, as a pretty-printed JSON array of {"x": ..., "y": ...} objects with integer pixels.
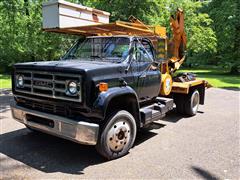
[
  {"x": 72, "y": 88},
  {"x": 20, "y": 81}
]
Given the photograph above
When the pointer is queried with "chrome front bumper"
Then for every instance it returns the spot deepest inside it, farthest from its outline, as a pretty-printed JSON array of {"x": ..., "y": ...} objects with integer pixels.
[{"x": 77, "y": 131}]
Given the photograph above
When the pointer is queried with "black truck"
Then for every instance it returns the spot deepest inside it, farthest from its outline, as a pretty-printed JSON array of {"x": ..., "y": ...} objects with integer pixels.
[{"x": 101, "y": 92}]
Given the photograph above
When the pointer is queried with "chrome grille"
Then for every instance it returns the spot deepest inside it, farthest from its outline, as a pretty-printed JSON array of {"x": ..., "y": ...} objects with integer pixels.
[{"x": 48, "y": 84}]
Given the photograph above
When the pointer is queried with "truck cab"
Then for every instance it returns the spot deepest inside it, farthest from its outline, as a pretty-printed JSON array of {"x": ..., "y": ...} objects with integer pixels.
[{"x": 133, "y": 58}]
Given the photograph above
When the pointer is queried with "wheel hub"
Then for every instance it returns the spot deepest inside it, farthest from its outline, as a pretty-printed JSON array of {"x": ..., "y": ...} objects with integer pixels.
[
  {"x": 195, "y": 102},
  {"x": 118, "y": 136}
]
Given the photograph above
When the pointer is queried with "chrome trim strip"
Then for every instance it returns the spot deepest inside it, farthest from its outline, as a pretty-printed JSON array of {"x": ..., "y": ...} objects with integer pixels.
[
  {"x": 27, "y": 85},
  {"x": 27, "y": 78},
  {"x": 80, "y": 132},
  {"x": 42, "y": 79},
  {"x": 59, "y": 90},
  {"x": 54, "y": 97},
  {"x": 42, "y": 88},
  {"x": 59, "y": 82}
]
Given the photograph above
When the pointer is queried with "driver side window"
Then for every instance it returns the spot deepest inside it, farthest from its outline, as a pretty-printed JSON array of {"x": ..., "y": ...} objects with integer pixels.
[{"x": 144, "y": 51}]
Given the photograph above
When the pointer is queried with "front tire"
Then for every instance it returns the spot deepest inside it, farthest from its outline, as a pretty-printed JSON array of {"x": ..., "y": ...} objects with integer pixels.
[{"x": 118, "y": 135}]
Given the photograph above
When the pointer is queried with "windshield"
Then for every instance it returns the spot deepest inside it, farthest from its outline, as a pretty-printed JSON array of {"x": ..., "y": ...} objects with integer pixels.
[{"x": 100, "y": 48}]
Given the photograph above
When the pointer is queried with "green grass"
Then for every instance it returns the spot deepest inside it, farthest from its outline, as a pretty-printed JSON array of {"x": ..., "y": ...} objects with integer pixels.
[
  {"x": 5, "y": 81},
  {"x": 216, "y": 77}
]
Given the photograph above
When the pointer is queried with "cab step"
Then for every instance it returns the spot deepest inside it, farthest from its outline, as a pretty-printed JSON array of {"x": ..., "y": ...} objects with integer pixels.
[{"x": 157, "y": 110}]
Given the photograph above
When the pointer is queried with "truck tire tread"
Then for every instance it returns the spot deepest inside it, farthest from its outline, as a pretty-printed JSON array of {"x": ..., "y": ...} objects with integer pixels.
[{"x": 102, "y": 147}]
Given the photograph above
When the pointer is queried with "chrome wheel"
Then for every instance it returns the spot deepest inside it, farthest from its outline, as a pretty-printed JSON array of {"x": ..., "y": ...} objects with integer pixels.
[
  {"x": 188, "y": 104},
  {"x": 118, "y": 136},
  {"x": 195, "y": 101}
]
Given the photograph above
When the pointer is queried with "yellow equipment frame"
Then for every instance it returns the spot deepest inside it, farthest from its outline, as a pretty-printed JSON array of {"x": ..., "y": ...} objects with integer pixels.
[
  {"x": 183, "y": 87},
  {"x": 115, "y": 28}
]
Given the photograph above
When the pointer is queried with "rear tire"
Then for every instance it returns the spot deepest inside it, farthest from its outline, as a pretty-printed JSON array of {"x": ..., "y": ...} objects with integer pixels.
[
  {"x": 187, "y": 104},
  {"x": 117, "y": 136},
  {"x": 192, "y": 103}
]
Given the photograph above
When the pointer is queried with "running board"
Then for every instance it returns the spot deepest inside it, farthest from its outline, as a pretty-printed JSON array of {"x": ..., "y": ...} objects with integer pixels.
[{"x": 156, "y": 111}]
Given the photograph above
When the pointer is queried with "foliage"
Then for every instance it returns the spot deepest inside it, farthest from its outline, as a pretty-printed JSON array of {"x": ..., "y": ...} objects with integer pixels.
[
  {"x": 235, "y": 69},
  {"x": 226, "y": 18},
  {"x": 22, "y": 38},
  {"x": 201, "y": 38},
  {"x": 212, "y": 27}
]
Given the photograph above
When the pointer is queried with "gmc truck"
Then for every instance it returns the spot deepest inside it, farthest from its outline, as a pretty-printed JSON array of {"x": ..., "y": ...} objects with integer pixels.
[{"x": 102, "y": 91}]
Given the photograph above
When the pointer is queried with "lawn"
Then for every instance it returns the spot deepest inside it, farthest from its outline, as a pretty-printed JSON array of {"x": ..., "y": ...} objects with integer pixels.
[
  {"x": 215, "y": 76},
  {"x": 5, "y": 81}
]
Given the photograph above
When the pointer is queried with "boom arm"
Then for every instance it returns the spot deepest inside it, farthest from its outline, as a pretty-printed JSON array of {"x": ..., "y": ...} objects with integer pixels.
[{"x": 178, "y": 42}]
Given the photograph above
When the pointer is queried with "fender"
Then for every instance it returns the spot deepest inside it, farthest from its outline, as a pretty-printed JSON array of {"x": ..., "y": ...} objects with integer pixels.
[{"x": 104, "y": 98}]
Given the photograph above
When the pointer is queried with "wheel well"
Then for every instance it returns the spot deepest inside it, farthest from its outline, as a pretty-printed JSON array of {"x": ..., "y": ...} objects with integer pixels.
[{"x": 124, "y": 102}]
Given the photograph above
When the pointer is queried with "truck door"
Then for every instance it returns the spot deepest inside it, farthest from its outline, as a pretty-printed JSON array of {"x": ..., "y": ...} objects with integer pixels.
[{"x": 149, "y": 77}]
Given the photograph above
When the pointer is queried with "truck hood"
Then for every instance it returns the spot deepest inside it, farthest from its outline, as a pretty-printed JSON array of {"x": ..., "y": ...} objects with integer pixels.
[{"x": 77, "y": 65}]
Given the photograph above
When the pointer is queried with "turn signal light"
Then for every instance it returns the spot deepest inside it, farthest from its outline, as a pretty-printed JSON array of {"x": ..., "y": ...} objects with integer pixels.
[{"x": 103, "y": 86}]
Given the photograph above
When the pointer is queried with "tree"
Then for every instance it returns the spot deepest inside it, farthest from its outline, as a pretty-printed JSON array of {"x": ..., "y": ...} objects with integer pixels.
[
  {"x": 23, "y": 39},
  {"x": 201, "y": 37},
  {"x": 225, "y": 15}
]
